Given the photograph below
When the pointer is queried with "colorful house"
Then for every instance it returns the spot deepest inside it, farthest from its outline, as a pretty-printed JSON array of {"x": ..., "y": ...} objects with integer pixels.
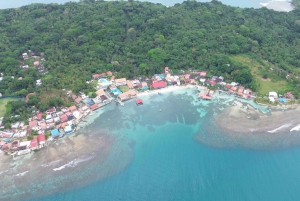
[
  {"x": 159, "y": 85},
  {"x": 55, "y": 133}
]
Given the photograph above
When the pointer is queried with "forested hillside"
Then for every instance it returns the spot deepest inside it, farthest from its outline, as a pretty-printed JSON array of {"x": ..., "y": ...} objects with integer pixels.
[{"x": 140, "y": 38}]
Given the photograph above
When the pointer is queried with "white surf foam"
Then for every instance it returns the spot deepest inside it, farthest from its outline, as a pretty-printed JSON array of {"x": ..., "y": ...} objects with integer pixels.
[
  {"x": 296, "y": 128},
  {"x": 74, "y": 162},
  {"x": 279, "y": 128},
  {"x": 21, "y": 174}
]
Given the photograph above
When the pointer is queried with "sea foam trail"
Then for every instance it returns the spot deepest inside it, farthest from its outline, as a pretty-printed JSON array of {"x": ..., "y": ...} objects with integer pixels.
[
  {"x": 296, "y": 128},
  {"x": 51, "y": 163},
  {"x": 74, "y": 162},
  {"x": 279, "y": 128},
  {"x": 21, "y": 174}
]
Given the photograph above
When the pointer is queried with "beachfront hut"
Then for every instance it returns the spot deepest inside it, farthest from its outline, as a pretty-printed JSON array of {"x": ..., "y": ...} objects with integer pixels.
[{"x": 68, "y": 129}]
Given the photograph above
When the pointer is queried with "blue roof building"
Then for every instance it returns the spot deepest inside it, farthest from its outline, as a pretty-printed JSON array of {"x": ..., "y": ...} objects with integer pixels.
[{"x": 56, "y": 133}]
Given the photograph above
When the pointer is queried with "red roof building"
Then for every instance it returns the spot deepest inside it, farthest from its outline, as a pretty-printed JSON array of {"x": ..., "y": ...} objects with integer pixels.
[
  {"x": 74, "y": 96},
  {"x": 33, "y": 124},
  {"x": 227, "y": 86},
  {"x": 63, "y": 118},
  {"x": 212, "y": 82},
  {"x": 109, "y": 73},
  {"x": 72, "y": 108},
  {"x": 34, "y": 143},
  {"x": 97, "y": 76},
  {"x": 94, "y": 107},
  {"x": 78, "y": 100},
  {"x": 139, "y": 102},
  {"x": 41, "y": 139},
  {"x": 158, "y": 85},
  {"x": 39, "y": 116},
  {"x": 6, "y": 146},
  {"x": 290, "y": 95},
  {"x": 202, "y": 74}
]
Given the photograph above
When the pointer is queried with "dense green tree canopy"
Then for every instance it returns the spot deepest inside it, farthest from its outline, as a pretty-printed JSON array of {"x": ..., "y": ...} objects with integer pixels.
[{"x": 140, "y": 38}]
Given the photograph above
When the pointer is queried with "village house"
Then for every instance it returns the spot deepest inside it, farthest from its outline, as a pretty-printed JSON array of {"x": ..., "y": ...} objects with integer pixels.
[
  {"x": 120, "y": 82},
  {"x": 38, "y": 82},
  {"x": 109, "y": 73},
  {"x": 240, "y": 91},
  {"x": 144, "y": 86},
  {"x": 127, "y": 95},
  {"x": 272, "y": 96},
  {"x": 33, "y": 125},
  {"x": 166, "y": 70},
  {"x": 98, "y": 76},
  {"x": 129, "y": 84},
  {"x": 42, "y": 140},
  {"x": 290, "y": 95},
  {"x": 159, "y": 85},
  {"x": 72, "y": 108}
]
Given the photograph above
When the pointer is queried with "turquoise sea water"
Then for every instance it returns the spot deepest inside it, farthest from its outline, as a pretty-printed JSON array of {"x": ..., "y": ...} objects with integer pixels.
[{"x": 156, "y": 157}]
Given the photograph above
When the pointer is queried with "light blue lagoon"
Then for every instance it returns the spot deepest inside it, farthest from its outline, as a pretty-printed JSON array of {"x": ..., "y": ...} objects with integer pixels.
[{"x": 156, "y": 156}]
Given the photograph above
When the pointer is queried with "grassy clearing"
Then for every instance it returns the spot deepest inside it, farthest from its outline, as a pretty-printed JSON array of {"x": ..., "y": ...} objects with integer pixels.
[
  {"x": 274, "y": 83},
  {"x": 3, "y": 103},
  {"x": 123, "y": 88}
]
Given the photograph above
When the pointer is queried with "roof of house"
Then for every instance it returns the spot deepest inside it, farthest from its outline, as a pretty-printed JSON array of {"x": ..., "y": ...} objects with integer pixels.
[
  {"x": 166, "y": 68},
  {"x": 100, "y": 92},
  {"x": 63, "y": 118},
  {"x": 34, "y": 142},
  {"x": 74, "y": 96},
  {"x": 233, "y": 88},
  {"x": 99, "y": 75},
  {"x": 43, "y": 125},
  {"x": 128, "y": 93},
  {"x": 109, "y": 73},
  {"x": 33, "y": 124},
  {"x": 36, "y": 63},
  {"x": 6, "y": 146},
  {"x": 93, "y": 107},
  {"x": 290, "y": 95},
  {"x": 212, "y": 82},
  {"x": 54, "y": 132},
  {"x": 39, "y": 115},
  {"x": 78, "y": 100},
  {"x": 160, "y": 84},
  {"x": 187, "y": 76},
  {"x": 72, "y": 108},
  {"x": 203, "y": 73},
  {"x": 69, "y": 114},
  {"x": 120, "y": 80},
  {"x": 228, "y": 86},
  {"x": 129, "y": 84}
]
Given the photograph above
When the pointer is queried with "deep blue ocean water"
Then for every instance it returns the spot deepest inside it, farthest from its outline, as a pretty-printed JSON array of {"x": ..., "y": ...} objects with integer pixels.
[{"x": 165, "y": 162}]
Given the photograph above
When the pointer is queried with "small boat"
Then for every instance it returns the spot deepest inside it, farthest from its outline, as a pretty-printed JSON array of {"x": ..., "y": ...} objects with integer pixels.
[{"x": 160, "y": 110}]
